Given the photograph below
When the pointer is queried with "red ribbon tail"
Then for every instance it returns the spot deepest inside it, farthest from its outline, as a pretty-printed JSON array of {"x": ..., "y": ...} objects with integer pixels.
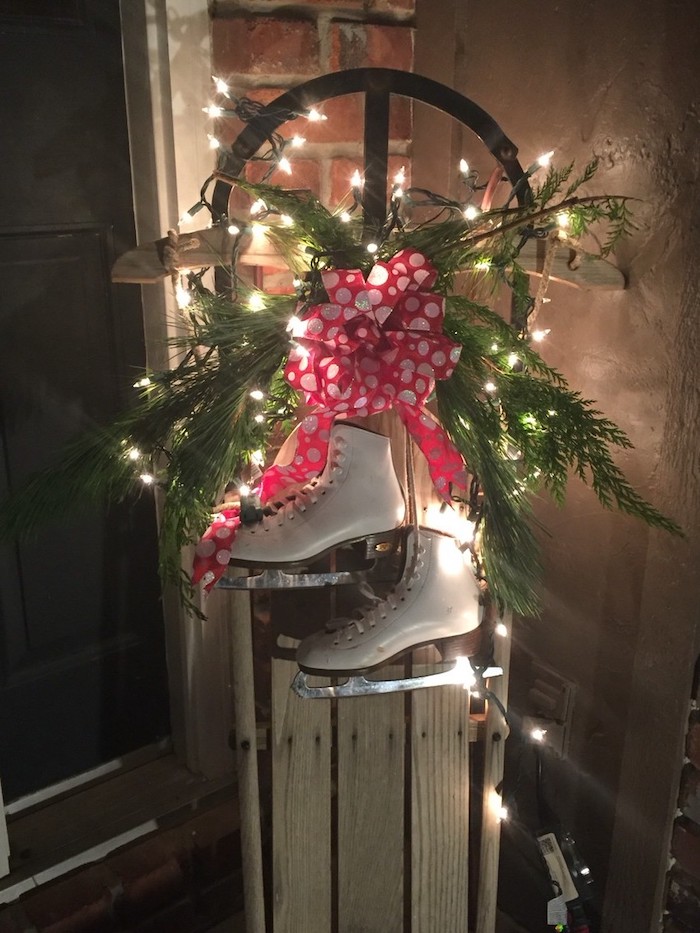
[{"x": 445, "y": 463}]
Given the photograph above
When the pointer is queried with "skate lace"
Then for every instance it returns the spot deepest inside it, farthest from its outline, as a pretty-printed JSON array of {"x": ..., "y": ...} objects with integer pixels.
[
  {"x": 366, "y": 618},
  {"x": 309, "y": 494}
]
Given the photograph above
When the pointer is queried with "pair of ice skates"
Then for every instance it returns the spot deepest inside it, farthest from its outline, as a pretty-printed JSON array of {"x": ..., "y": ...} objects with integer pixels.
[{"x": 358, "y": 499}]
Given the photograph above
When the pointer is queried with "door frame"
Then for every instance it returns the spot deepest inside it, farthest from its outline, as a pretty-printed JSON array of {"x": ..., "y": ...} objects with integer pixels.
[{"x": 167, "y": 74}]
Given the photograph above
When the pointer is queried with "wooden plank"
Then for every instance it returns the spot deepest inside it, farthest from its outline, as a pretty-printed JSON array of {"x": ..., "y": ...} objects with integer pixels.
[
  {"x": 440, "y": 810},
  {"x": 239, "y": 615},
  {"x": 301, "y": 806},
  {"x": 371, "y": 747},
  {"x": 494, "y": 759}
]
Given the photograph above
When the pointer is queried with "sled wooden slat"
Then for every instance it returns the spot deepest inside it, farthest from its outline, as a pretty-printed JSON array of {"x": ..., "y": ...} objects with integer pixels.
[
  {"x": 301, "y": 807},
  {"x": 371, "y": 747},
  {"x": 494, "y": 762},
  {"x": 439, "y": 809}
]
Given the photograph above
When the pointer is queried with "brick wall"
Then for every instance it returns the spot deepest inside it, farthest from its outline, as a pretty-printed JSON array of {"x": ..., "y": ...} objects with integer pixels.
[
  {"x": 262, "y": 47},
  {"x": 683, "y": 884}
]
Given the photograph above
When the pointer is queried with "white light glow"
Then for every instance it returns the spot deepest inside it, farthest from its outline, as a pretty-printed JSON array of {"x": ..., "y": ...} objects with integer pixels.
[
  {"x": 257, "y": 207},
  {"x": 182, "y": 296},
  {"x": 537, "y": 735},
  {"x": 539, "y": 335},
  {"x": 212, "y": 110},
  {"x": 256, "y": 302},
  {"x": 244, "y": 489},
  {"x": 490, "y": 387},
  {"x": 142, "y": 383},
  {"x": 147, "y": 479},
  {"x": 564, "y": 220},
  {"x": 372, "y": 247},
  {"x": 185, "y": 218},
  {"x": 400, "y": 176},
  {"x": 494, "y": 348},
  {"x": 259, "y": 419},
  {"x": 298, "y": 141},
  {"x": 463, "y": 167},
  {"x": 257, "y": 394},
  {"x": 233, "y": 229},
  {"x": 356, "y": 180},
  {"x": 257, "y": 457},
  {"x": 502, "y": 814},
  {"x": 284, "y": 165},
  {"x": 471, "y": 212},
  {"x": 483, "y": 265},
  {"x": 220, "y": 85},
  {"x": 546, "y": 157},
  {"x": 463, "y": 669},
  {"x": 501, "y": 629},
  {"x": 397, "y": 193},
  {"x": 345, "y": 217},
  {"x": 513, "y": 359},
  {"x": 314, "y": 116},
  {"x": 213, "y": 141},
  {"x": 296, "y": 327},
  {"x": 286, "y": 220},
  {"x": 134, "y": 453}
]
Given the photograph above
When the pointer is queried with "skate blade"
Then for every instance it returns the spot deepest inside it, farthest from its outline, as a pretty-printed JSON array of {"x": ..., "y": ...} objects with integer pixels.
[
  {"x": 377, "y": 548},
  {"x": 461, "y": 673},
  {"x": 269, "y": 579}
]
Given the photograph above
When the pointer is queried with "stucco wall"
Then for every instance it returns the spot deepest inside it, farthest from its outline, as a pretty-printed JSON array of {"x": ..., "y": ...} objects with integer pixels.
[{"x": 619, "y": 80}]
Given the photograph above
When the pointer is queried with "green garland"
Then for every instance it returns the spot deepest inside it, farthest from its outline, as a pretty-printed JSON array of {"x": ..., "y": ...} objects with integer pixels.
[{"x": 194, "y": 427}]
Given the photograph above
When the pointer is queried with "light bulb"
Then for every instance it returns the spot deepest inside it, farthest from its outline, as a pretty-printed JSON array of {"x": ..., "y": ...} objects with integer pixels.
[
  {"x": 257, "y": 457},
  {"x": 356, "y": 180},
  {"x": 490, "y": 387},
  {"x": 564, "y": 219},
  {"x": 257, "y": 395},
  {"x": 233, "y": 230},
  {"x": 297, "y": 141},
  {"x": 345, "y": 217},
  {"x": 212, "y": 110},
  {"x": 244, "y": 489},
  {"x": 296, "y": 327},
  {"x": 539, "y": 335},
  {"x": 314, "y": 116},
  {"x": 513, "y": 359},
  {"x": 483, "y": 265},
  {"x": 142, "y": 383},
  {"x": 372, "y": 248},
  {"x": 134, "y": 453},
  {"x": 502, "y": 814},
  {"x": 286, "y": 220},
  {"x": 537, "y": 735},
  {"x": 256, "y": 302},
  {"x": 147, "y": 479},
  {"x": 182, "y": 296},
  {"x": 220, "y": 85},
  {"x": 400, "y": 176},
  {"x": 185, "y": 218},
  {"x": 397, "y": 193},
  {"x": 257, "y": 207},
  {"x": 546, "y": 157},
  {"x": 463, "y": 167},
  {"x": 471, "y": 212},
  {"x": 259, "y": 419},
  {"x": 494, "y": 348},
  {"x": 501, "y": 629},
  {"x": 284, "y": 165},
  {"x": 213, "y": 141}
]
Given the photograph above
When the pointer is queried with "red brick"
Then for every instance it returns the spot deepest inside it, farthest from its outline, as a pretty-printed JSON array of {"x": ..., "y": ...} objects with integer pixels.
[
  {"x": 152, "y": 876},
  {"x": 264, "y": 45},
  {"x": 693, "y": 744},
  {"x": 179, "y": 917},
  {"x": 354, "y": 45},
  {"x": 81, "y": 903},
  {"x": 685, "y": 846}
]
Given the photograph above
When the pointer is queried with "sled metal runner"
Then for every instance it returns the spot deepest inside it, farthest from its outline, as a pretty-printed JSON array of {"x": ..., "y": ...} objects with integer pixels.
[{"x": 459, "y": 673}]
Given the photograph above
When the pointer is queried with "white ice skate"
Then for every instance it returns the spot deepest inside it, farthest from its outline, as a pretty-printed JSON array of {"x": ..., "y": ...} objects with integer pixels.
[
  {"x": 357, "y": 498},
  {"x": 437, "y": 601}
]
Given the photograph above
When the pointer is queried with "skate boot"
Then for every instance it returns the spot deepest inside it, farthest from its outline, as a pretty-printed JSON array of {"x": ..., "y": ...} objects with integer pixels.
[
  {"x": 437, "y": 599},
  {"x": 357, "y": 498}
]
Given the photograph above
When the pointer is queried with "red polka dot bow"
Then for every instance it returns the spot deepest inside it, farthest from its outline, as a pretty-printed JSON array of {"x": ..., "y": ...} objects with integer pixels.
[{"x": 376, "y": 344}]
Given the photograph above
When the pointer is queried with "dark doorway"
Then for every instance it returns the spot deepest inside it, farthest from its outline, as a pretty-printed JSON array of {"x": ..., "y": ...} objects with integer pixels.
[{"x": 82, "y": 660}]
